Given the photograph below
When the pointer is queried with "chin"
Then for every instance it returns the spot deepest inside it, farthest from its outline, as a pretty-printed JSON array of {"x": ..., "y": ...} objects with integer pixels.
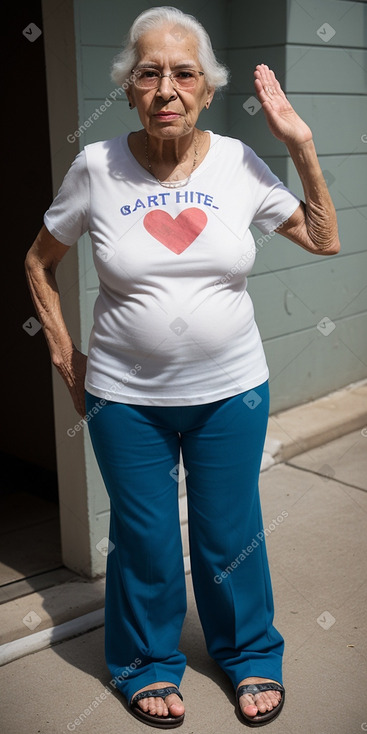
[{"x": 169, "y": 129}]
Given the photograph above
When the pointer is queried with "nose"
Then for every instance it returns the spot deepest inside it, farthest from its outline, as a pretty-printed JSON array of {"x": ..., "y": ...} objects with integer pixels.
[{"x": 165, "y": 88}]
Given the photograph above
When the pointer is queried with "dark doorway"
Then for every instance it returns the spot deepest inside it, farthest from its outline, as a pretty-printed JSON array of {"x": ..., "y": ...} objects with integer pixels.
[{"x": 30, "y": 535}]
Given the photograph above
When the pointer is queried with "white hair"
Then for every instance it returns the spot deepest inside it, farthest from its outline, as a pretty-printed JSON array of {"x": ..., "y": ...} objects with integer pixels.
[{"x": 216, "y": 74}]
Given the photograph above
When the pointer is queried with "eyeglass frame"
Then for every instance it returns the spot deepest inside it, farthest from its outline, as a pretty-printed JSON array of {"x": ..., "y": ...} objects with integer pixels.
[{"x": 161, "y": 76}]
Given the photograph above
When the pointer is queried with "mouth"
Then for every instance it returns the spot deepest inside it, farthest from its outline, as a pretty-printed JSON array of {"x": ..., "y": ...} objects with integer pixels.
[{"x": 167, "y": 115}]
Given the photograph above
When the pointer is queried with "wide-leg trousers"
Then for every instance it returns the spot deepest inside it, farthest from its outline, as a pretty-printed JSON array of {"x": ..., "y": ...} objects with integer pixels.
[{"x": 137, "y": 449}]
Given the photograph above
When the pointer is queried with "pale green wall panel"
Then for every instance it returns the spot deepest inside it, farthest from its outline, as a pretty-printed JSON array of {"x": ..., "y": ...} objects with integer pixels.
[
  {"x": 252, "y": 128},
  {"x": 106, "y": 22},
  {"x": 96, "y": 64},
  {"x": 216, "y": 117},
  {"x": 116, "y": 120},
  {"x": 280, "y": 166},
  {"x": 90, "y": 298},
  {"x": 346, "y": 176},
  {"x": 337, "y": 122},
  {"x": 324, "y": 69},
  {"x": 278, "y": 253},
  {"x": 287, "y": 301},
  {"x": 99, "y": 502},
  {"x": 307, "y": 365},
  {"x": 256, "y": 23},
  {"x": 325, "y": 79},
  {"x": 242, "y": 63},
  {"x": 91, "y": 277},
  {"x": 347, "y": 21}
]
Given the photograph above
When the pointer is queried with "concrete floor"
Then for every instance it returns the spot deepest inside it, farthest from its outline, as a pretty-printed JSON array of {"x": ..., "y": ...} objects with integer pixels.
[{"x": 318, "y": 562}]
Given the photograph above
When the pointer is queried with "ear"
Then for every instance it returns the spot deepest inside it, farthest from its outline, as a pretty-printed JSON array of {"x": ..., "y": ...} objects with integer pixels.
[
  {"x": 209, "y": 98},
  {"x": 130, "y": 99}
]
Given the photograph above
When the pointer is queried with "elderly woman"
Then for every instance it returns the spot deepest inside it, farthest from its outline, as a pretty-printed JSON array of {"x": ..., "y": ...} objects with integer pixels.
[{"x": 176, "y": 361}]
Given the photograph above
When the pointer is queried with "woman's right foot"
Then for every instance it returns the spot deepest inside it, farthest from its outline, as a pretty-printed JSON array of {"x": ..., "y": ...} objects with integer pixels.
[{"x": 156, "y": 706}]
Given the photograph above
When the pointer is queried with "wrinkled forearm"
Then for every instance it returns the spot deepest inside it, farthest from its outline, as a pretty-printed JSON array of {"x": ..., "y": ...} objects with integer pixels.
[
  {"x": 45, "y": 295},
  {"x": 320, "y": 216}
]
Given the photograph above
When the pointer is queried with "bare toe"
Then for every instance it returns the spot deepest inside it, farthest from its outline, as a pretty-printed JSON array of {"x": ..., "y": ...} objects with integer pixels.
[
  {"x": 260, "y": 702},
  {"x": 157, "y": 706},
  {"x": 175, "y": 705}
]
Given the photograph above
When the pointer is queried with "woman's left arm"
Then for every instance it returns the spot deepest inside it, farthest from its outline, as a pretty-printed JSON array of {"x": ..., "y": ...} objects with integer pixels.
[{"x": 313, "y": 225}]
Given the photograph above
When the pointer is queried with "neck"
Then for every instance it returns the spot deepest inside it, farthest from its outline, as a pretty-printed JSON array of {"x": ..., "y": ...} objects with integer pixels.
[{"x": 171, "y": 150}]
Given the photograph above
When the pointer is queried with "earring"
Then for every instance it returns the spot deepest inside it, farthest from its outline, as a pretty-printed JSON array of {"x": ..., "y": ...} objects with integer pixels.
[{"x": 130, "y": 105}]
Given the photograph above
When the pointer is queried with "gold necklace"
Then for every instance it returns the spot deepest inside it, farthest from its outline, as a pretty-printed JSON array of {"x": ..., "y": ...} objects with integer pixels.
[{"x": 172, "y": 184}]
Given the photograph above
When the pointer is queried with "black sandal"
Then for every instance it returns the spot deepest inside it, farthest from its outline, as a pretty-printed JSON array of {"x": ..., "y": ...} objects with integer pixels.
[
  {"x": 253, "y": 688},
  {"x": 162, "y": 722}
]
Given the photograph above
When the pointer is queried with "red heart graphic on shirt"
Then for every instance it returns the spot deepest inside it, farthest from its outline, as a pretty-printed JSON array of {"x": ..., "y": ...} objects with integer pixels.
[{"x": 176, "y": 234}]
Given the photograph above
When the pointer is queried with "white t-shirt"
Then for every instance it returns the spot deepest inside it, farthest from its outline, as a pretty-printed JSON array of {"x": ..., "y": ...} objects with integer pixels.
[{"x": 173, "y": 321}]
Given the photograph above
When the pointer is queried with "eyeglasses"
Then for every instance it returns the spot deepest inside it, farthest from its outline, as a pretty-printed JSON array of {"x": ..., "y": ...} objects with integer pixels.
[{"x": 147, "y": 78}]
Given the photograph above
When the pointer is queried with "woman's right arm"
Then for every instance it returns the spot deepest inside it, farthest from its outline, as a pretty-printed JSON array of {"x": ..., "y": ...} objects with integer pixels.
[{"x": 40, "y": 264}]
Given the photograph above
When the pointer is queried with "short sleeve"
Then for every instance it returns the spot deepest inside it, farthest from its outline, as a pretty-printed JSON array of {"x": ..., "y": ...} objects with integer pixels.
[
  {"x": 68, "y": 216},
  {"x": 273, "y": 203}
]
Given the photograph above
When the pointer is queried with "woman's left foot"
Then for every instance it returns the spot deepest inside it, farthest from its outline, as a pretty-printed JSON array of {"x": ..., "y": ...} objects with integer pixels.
[{"x": 259, "y": 703}]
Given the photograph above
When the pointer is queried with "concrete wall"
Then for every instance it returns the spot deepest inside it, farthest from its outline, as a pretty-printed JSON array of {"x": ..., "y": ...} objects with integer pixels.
[{"x": 318, "y": 51}]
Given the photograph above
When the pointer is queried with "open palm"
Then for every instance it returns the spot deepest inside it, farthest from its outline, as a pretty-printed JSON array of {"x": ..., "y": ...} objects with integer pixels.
[{"x": 282, "y": 119}]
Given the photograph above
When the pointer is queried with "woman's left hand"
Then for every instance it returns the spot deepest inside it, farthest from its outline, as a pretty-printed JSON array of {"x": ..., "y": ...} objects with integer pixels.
[{"x": 282, "y": 119}]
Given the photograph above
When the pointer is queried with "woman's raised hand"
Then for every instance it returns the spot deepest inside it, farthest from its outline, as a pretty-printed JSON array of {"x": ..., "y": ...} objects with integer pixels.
[{"x": 282, "y": 119}]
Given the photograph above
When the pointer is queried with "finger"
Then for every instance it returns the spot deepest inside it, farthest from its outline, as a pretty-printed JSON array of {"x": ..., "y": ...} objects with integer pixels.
[
  {"x": 264, "y": 84},
  {"x": 262, "y": 93},
  {"x": 268, "y": 80},
  {"x": 273, "y": 81},
  {"x": 262, "y": 73}
]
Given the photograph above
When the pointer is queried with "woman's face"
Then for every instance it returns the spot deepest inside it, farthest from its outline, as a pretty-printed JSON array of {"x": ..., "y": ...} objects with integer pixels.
[{"x": 165, "y": 49}]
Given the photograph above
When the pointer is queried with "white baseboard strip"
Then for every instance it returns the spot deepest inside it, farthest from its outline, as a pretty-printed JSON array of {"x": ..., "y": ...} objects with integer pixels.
[{"x": 45, "y": 638}]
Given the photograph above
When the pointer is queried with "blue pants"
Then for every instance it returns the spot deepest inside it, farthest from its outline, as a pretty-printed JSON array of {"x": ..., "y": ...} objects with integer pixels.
[{"x": 137, "y": 449}]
